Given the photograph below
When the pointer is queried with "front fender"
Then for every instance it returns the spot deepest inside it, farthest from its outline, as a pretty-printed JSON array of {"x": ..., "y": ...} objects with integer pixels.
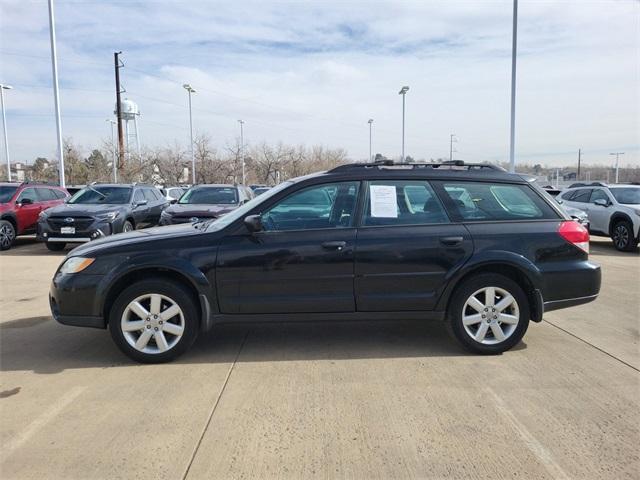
[
  {"x": 151, "y": 261},
  {"x": 491, "y": 258}
]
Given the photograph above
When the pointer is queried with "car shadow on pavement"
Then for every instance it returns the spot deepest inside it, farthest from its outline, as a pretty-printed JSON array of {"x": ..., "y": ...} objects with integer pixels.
[
  {"x": 41, "y": 345},
  {"x": 28, "y": 246}
]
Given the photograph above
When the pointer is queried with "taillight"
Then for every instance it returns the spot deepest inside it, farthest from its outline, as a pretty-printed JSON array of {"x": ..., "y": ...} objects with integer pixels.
[{"x": 575, "y": 233}]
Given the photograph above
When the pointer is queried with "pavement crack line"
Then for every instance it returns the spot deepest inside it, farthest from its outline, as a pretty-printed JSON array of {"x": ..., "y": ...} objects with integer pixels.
[
  {"x": 591, "y": 345},
  {"x": 215, "y": 405}
]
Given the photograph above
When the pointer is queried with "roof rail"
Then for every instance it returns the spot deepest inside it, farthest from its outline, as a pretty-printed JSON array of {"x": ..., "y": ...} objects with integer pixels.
[{"x": 447, "y": 165}]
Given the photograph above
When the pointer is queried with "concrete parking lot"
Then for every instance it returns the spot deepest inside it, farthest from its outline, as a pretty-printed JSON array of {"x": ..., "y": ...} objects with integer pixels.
[{"x": 355, "y": 400}]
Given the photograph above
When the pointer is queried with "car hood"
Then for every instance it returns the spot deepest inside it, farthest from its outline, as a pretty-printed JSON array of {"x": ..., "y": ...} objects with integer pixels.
[
  {"x": 199, "y": 210},
  {"x": 81, "y": 210},
  {"x": 136, "y": 236},
  {"x": 4, "y": 207},
  {"x": 574, "y": 212}
]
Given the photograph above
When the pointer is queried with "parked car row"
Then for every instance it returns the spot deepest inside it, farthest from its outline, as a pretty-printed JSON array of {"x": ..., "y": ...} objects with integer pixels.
[{"x": 100, "y": 210}]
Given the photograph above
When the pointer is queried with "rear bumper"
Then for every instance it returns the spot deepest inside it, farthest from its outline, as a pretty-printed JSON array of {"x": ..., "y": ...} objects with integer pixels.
[{"x": 567, "y": 302}]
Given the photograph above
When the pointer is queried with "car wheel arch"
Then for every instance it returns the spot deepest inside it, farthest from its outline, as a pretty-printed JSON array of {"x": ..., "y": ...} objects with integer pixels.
[
  {"x": 618, "y": 217},
  {"x": 11, "y": 219},
  {"x": 525, "y": 276},
  {"x": 119, "y": 284}
]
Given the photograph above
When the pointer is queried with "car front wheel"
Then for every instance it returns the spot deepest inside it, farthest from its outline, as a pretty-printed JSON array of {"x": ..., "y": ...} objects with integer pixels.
[
  {"x": 488, "y": 313},
  {"x": 622, "y": 237},
  {"x": 154, "y": 321},
  {"x": 7, "y": 234}
]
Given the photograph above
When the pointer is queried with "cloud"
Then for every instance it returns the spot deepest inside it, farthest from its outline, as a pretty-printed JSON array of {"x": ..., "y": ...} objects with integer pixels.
[{"x": 314, "y": 73}]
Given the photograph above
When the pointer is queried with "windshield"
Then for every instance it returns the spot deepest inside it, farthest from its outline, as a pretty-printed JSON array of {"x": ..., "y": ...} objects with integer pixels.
[
  {"x": 627, "y": 196},
  {"x": 211, "y": 195},
  {"x": 100, "y": 195},
  {"x": 6, "y": 192},
  {"x": 220, "y": 223}
]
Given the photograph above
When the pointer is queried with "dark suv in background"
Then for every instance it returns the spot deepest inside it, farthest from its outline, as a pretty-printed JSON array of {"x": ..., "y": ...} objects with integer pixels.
[
  {"x": 204, "y": 202},
  {"x": 100, "y": 210},
  {"x": 473, "y": 246},
  {"x": 20, "y": 205}
]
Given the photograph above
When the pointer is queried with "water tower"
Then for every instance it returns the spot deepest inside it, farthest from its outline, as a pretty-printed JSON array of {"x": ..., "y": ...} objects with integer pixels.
[{"x": 130, "y": 113}]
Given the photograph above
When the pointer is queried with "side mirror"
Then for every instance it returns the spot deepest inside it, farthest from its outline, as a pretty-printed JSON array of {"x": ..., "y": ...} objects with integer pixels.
[
  {"x": 173, "y": 200},
  {"x": 601, "y": 202},
  {"x": 25, "y": 201},
  {"x": 141, "y": 203},
  {"x": 253, "y": 223}
]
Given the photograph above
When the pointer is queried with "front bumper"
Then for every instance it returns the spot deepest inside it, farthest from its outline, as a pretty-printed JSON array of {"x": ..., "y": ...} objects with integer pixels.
[
  {"x": 46, "y": 232},
  {"x": 74, "y": 300}
]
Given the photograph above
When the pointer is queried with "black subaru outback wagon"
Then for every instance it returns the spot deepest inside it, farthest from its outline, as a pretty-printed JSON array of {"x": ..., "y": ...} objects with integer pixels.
[{"x": 483, "y": 250}]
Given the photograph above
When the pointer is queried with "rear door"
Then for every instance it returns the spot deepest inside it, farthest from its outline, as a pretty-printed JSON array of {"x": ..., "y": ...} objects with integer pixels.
[
  {"x": 155, "y": 203},
  {"x": 407, "y": 247}
]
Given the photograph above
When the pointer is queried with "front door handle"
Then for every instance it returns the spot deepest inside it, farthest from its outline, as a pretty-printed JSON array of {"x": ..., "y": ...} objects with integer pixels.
[
  {"x": 338, "y": 245},
  {"x": 451, "y": 241}
]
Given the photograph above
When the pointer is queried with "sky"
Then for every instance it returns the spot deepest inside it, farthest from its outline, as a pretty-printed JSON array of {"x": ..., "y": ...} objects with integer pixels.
[{"x": 313, "y": 73}]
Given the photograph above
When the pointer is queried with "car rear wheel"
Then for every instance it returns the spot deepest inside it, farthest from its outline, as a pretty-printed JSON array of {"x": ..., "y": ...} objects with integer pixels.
[
  {"x": 488, "y": 313},
  {"x": 7, "y": 234},
  {"x": 154, "y": 321},
  {"x": 622, "y": 237},
  {"x": 55, "y": 246}
]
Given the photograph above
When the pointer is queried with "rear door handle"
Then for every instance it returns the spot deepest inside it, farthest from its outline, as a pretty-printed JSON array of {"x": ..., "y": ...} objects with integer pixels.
[
  {"x": 338, "y": 245},
  {"x": 451, "y": 241}
]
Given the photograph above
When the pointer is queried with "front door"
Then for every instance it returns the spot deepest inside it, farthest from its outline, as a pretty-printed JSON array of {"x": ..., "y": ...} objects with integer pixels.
[
  {"x": 406, "y": 247},
  {"x": 302, "y": 260},
  {"x": 28, "y": 206},
  {"x": 598, "y": 215}
]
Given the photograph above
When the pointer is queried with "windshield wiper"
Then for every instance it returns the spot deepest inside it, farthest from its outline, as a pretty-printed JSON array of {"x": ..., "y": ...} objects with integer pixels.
[{"x": 97, "y": 191}]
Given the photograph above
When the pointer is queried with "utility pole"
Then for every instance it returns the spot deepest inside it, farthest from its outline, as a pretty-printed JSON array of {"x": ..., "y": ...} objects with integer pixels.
[
  {"x": 56, "y": 92},
  {"x": 117, "y": 66},
  {"x": 241, "y": 122},
  {"x": 370, "y": 122},
  {"x": 403, "y": 91},
  {"x": 617, "y": 154},
  {"x": 451, "y": 140},
  {"x": 514, "y": 45},
  {"x": 579, "y": 158},
  {"x": 4, "y": 126},
  {"x": 190, "y": 90}
]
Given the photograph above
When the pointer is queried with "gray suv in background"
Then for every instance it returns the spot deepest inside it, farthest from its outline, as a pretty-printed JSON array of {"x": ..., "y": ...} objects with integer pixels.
[{"x": 99, "y": 210}]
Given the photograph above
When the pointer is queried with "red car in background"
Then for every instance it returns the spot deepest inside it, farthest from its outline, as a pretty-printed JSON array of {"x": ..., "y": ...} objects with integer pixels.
[{"x": 20, "y": 205}]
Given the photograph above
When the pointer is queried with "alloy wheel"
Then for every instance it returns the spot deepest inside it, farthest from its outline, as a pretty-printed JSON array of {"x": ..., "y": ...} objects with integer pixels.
[
  {"x": 152, "y": 323},
  {"x": 490, "y": 315},
  {"x": 127, "y": 227},
  {"x": 621, "y": 236},
  {"x": 7, "y": 235}
]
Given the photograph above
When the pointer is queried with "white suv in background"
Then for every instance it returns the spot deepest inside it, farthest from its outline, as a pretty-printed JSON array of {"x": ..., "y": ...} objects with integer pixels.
[{"x": 614, "y": 211}]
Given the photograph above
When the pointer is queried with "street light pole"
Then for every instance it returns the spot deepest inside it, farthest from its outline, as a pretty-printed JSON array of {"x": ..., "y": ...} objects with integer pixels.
[
  {"x": 617, "y": 154},
  {"x": 4, "y": 126},
  {"x": 56, "y": 93},
  {"x": 241, "y": 122},
  {"x": 190, "y": 90},
  {"x": 403, "y": 91},
  {"x": 514, "y": 45},
  {"x": 370, "y": 122},
  {"x": 113, "y": 152}
]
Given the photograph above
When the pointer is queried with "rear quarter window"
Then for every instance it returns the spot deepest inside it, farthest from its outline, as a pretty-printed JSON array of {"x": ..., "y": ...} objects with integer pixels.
[{"x": 484, "y": 201}]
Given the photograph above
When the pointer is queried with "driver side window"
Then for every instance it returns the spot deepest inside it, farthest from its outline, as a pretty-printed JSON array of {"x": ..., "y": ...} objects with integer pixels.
[
  {"x": 321, "y": 206},
  {"x": 28, "y": 193}
]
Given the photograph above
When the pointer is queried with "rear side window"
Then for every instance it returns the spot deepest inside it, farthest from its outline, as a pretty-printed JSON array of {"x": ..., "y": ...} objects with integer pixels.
[
  {"x": 58, "y": 193},
  {"x": 46, "y": 194},
  {"x": 581, "y": 195},
  {"x": 496, "y": 201},
  {"x": 402, "y": 202}
]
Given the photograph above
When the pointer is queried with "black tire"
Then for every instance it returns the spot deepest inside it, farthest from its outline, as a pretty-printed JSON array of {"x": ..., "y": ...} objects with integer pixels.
[
  {"x": 55, "y": 246},
  {"x": 7, "y": 234},
  {"x": 622, "y": 236},
  {"x": 127, "y": 226},
  {"x": 463, "y": 293},
  {"x": 174, "y": 291}
]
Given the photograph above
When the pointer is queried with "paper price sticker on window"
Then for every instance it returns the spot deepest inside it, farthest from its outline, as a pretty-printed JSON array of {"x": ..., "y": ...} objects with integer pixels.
[{"x": 384, "y": 202}]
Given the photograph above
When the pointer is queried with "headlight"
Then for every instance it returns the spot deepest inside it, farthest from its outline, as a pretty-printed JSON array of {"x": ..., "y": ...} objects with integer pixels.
[
  {"x": 165, "y": 214},
  {"x": 42, "y": 214},
  {"x": 76, "y": 264},
  {"x": 109, "y": 216}
]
